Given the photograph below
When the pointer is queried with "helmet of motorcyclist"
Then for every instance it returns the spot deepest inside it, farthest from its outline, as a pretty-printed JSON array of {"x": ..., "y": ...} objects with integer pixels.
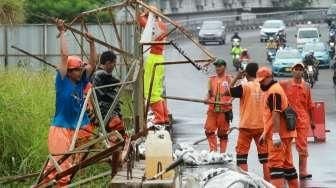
[
  {"x": 311, "y": 53},
  {"x": 309, "y": 22}
]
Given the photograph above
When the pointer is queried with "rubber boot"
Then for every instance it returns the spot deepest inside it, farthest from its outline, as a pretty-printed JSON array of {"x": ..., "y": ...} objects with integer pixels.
[
  {"x": 294, "y": 183},
  {"x": 266, "y": 172},
  {"x": 303, "y": 168},
  {"x": 166, "y": 112},
  {"x": 212, "y": 140},
  {"x": 278, "y": 183},
  {"x": 158, "y": 111},
  {"x": 244, "y": 167},
  {"x": 223, "y": 145}
]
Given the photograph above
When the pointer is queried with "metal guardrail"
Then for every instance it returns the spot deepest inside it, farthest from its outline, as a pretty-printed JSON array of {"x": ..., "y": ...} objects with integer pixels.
[{"x": 251, "y": 21}]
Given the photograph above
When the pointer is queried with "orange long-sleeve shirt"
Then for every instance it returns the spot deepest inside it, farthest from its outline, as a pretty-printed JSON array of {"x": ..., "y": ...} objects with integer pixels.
[{"x": 299, "y": 98}]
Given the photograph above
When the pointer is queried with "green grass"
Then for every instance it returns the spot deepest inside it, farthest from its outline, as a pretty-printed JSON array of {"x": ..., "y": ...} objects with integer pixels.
[{"x": 26, "y": 109}]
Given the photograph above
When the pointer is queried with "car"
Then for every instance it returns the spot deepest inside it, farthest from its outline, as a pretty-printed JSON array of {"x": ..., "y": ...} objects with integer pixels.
[
  {"x": 212, "y": 31},
  {"x": 284, "y": 60},
  {"x": 331, "y": 14},
  {"x": 271, "y": 28},
  {"x": 307, "y": 34},
  {"x": 321, "y": 52}
]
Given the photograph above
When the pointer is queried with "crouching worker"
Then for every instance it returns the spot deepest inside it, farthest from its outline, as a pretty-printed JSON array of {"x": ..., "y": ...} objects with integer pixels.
[
  {"x": 71, "y": 79},
  {"x": 218, "y": 116},
  {"x": 106, "y": 96}
]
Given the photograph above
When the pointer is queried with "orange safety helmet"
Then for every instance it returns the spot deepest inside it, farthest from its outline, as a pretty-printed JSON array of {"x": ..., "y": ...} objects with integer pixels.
[
  {"x": 74, "y": 62},
  {"x": 263, "y": 73}
]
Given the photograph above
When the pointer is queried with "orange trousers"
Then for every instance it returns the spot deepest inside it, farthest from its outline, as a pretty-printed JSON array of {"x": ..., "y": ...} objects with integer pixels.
[
  {"x": 160, "y": 112},
  {"x": 245, "y": 138},
  {"x": 280, "y": 162},
  {"x": 59, "y": 140},
  {"x": 301, "y": 141},
  {"x": 216, "y": 123},
  {"x": 116, "y": 123}
]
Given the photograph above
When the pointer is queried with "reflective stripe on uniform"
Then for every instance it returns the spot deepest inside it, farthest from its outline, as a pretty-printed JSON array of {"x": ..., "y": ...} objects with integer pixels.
[
  {"x": 241, "y": 159},
  {"x": 263, "y": 158}
]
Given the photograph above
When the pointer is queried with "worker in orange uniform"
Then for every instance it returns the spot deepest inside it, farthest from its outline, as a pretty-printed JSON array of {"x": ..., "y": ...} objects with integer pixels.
[
  {"x": 157, "y": 103},
  {"x": 276, "y": 133},
  {"x": 218, "y": 116},
  {"x": 250, "y": 124},
  {"x": 299, "y": 98},
  {"x": 71, "y": 79}
]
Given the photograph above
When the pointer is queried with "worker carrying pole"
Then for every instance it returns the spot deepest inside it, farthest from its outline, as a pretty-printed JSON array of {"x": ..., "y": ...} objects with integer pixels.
[
  {"x": 218, "y": 116},
  {"x": 159, "y": 30}
]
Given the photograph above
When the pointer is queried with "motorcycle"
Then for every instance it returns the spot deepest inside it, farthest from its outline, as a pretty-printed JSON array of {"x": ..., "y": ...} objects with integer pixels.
[
  {"x": 236, "y": 62},
  {"x": 334, "y": 76},
  {"x": 332, "y": 48},
  {"x": 310, "y": 75},
  {"x": 271, "y": 54}
]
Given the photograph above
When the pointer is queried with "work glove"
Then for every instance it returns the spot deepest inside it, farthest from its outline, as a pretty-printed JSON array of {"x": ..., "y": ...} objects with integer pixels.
[{"x": 276, "y": 139}]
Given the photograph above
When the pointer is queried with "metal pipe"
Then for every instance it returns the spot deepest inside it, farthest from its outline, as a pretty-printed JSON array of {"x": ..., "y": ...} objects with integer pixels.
[
  {"x": 195, "y": 100},
  {"x": 177, "y": 26},
  {"x": 79, "y": 122},
  {"x": 77, "y": 151},
  {"x": 112, "y": 85},
  {"x": 122, "y": 4},
  {"x": 92, "y": 38},
  {"x": 34, "y": 56},
  {"x": 109, "y": 113}
]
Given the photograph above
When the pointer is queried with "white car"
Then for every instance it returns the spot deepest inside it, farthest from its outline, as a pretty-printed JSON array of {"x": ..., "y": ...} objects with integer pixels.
[
  {"x": 307, "y": 34},
  {"x": 270, "y": 28}
]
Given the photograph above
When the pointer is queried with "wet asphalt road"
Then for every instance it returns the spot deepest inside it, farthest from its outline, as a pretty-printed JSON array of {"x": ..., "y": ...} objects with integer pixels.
[{"x": 186, "y": 81}]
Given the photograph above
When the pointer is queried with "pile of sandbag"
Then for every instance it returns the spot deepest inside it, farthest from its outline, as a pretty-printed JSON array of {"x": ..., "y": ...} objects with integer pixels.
[
  {"x": 225, "y": 178},
  {"x": 196, "y": 158}
]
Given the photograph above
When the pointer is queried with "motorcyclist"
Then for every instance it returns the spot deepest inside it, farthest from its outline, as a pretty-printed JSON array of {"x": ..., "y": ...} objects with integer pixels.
[
  {"x": 332, "y": 25},
  {"x": 236, "y": 50},
  {"x": 244, "y": 55},
  {"x": 281, "y": 38},
  {"x": 271, "y": 44},
  {"x": 309, "y": 59},
  {"x": 235, "y": 36}
]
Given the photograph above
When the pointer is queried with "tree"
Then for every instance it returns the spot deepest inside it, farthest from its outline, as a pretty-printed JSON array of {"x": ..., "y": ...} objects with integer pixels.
[
  {"x": 65, "y": 9},
  {"x": 11, "y": 11}
]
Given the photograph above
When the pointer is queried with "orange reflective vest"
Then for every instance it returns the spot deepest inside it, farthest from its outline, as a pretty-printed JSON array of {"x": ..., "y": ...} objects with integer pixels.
[
  {"x": 217, "y": 88},
  {"x": 251, "y": 106},
  {"x": 276, "y": 89}
]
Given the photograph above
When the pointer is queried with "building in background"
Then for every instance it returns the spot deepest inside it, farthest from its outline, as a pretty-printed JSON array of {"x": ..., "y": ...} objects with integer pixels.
[{"x": 184, "y": 6}]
